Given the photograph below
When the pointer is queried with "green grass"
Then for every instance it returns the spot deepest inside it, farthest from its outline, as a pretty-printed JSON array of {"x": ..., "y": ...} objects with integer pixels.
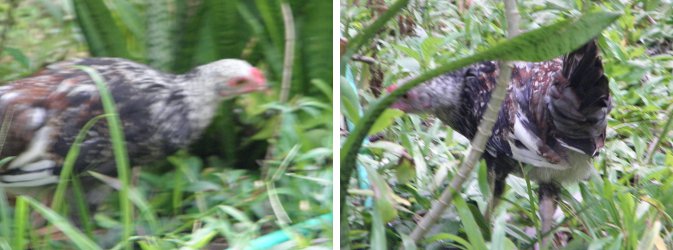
[
  {"x": 626, "y": 208},
  {"x": 199, "y": 197}
]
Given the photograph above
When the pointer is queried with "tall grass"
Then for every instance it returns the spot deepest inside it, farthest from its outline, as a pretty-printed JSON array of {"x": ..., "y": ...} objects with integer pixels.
[
  {"x": 178, "y": 201},
  {"x": 624, "y": 208},
  {"x": 120, "y": 154}
]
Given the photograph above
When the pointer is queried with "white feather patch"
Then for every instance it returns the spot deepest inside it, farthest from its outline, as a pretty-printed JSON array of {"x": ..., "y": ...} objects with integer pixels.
[
  {"x": 37, "y": 118},
  {"x": 29, "y": 179},
  {"x": 570, "y": 147},
  {"x": 8, "y": 97},
  {"x": 528, "y": 139},
  {"x": 36, "y": 150},
  {"x": 40, "y": 165},
  {"x": 524, "y": 135}
]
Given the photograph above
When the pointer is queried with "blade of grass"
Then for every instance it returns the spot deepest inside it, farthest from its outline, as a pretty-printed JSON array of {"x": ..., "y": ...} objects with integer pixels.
[
  {"x": 100, "y": 30},
  {"x": 82, "y": 207},
  {"x": 69, "y": 164},
  {"x": 178, "y": 189},
  {"x": 470, "y": 226},
  {"x": 20, "y": 224},
  {"x": 76, "y": 236},
  {"x": 136, "y": 197},
  {"x": 120, "y": 153},
  {"x": 5, "y": 226},
  {"x": 274, "y": 200}
]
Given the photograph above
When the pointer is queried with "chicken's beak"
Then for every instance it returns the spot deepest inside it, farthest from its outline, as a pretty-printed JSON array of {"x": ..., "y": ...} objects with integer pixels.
[
  {"x": 397, "y": 104},
  {"x": 258, "y": 81},
  {"x": 255, "y": 82}
]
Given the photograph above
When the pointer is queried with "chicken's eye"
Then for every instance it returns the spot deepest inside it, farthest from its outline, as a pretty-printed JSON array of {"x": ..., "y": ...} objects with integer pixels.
[{"x": 239, "y": 82}]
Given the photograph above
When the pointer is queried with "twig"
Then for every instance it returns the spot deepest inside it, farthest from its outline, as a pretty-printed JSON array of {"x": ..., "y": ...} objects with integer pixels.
[
  {"x": 513, "y": 18},
  {"x": 479, "y": 142},
  {"x": 287, "y": 69},
  {"x": 289, "y": 51},
  {"x": 664, "y": 132}
]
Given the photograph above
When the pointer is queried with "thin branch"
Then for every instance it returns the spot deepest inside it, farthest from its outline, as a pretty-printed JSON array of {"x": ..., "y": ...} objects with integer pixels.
[
  {"x": 479, "y": 142},
  {"x": 289, "y": 51},
  {"x": 513, "y": 18},
  {"x": 285, "y": 86},
  {"x": 664, "y": 132}
]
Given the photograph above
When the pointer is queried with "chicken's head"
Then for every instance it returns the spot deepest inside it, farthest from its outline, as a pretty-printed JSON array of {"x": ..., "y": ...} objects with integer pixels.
[
  {"x": 232, "y": 77},
  {"x": 440, "y": 93}
]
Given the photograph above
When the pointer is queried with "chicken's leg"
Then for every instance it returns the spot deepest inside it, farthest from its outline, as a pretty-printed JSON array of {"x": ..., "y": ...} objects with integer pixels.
[{"x": 548, "y": 193}]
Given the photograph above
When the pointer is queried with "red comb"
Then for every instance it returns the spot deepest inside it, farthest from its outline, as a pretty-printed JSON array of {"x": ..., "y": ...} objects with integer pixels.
[
  {"x": 391, "y": 88},
  {"x": 257, "y": 75}
]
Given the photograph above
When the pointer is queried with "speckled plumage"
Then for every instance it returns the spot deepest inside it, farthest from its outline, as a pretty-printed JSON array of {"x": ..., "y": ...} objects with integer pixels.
[
  {"x": 160, "y": 113},
  {"x": 553, "y": 116}
]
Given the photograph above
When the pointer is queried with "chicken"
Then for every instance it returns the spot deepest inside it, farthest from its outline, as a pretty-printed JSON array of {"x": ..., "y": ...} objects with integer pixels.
[
  {"x": 553, "y": 117},
  {"x": 40, "y": 116}
]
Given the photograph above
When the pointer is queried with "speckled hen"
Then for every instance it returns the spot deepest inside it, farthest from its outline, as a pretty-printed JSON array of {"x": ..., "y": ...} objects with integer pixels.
[
  {"x": 41, "y": 115},
  {"x": 553, "y": 118}
]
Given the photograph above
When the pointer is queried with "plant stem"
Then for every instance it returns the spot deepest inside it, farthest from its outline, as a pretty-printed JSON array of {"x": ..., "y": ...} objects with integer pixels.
[
  {"x": 289, "y": 51},
  {"x": 478, "y": 144},
  {"x": 483, "y": 134},
  {"x": 664, "y": 132},
  {"x": 119, "y": 151}
]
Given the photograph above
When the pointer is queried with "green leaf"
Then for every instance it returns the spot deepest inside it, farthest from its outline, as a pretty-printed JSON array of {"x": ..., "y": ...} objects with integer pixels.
[
  {"x": 131, "y": 18},
  {"x": 226, "y": 29},
  {"x": 483, "y": 180},
  {"x": 69, "y": 164},
  {"x": 383, "y": 196},
  {"x": 21, "y": 222},
  {"x": 76, "y": 236},
  {"x": 314, "y": 43},
  {"x": 431, "y": 46},
  {"x": 350, "y": 104},
  {"x": 385, "y": 120},
  {"x": 102, "y": 34},
  {"x": 6, "y": 160},
  {"x": 190, "y": 24},
  {"x": 469, "y": 224},
  {"x": 118, "y": 148},
  {"x": 449, "y": 237},
  {"x": 408, "y": 51},
  {"x": 159, "y": 40},
  {"x": 378, "y": 232},
  {"x": 550, "y": 41},
  {"x": 651, "y": 238},
  {"x": 19, "y": 56},
  {"x": 405, "y": 171},
  {"x": 6, "y": 225},
  {"x": 407, "y": 242},
  {"x": 271, "y": 15}
]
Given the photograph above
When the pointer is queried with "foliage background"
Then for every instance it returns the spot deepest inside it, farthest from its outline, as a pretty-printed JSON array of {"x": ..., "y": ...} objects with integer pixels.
[
  {"x": 627, "y": 208},
  {"x": 261, "y": 161}
]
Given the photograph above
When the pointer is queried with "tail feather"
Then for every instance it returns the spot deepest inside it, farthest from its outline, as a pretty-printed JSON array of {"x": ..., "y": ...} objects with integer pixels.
[{"x": 580, "y": 100}]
